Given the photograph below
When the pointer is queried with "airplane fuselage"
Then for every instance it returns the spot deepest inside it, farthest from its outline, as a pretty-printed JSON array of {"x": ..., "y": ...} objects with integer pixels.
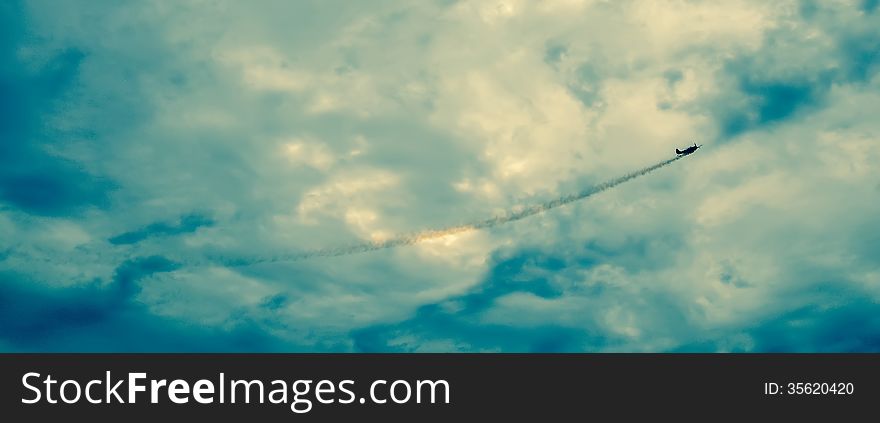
[{"x": 687, "y": 151}]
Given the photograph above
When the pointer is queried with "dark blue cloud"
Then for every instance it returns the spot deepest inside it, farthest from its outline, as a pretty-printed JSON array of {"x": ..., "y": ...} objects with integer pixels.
[
  {"x": 12, "y": 103},
  {"x": 30, "y": 178},
  {"x": 274, "y": 302},
  {"x": 187, "y": 224},
  {"x": 99, "y": 317},
  {"x": 808, "y": 9},
  {"x": 511, "y": 275},
  {"x": 861, "y": 54},
  {"x": 130, "y": 272},
  {"x": 850, "y": 327},
  {"x": 433, "y": 323},
  {"x": 586, "y": 86},
  {"x": 673, "y": 76},
  {"x": 790, "y": 75},
  {"x": 456, "y": 319},
  {"x": 843, "y": 319},
  {"x": 54, "y": 189},
  {"x": 825, "y": 313},
  {"x": 553, "y": 53},
  {"x": 767, "y": 100},
  {"x": 778, "y": 100}
]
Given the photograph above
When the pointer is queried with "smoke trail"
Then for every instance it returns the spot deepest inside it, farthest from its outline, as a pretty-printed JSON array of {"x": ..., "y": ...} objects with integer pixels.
[{"x": 416, "y": 237}]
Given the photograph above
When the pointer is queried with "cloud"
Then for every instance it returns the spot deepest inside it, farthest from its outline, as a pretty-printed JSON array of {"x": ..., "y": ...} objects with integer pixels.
[
  {"x": 32, "y": 178},
  {"x": 93, "y": 317},
  {"x": 187, "y": 224},
  {"x": 137, "y": 141},
  {"x": 454, "y": 323},
  {"x": 794, "y": 69}
]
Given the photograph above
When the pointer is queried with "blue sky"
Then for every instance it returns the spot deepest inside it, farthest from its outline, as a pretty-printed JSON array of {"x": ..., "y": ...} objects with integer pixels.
[{"x": 139, "y": 139}]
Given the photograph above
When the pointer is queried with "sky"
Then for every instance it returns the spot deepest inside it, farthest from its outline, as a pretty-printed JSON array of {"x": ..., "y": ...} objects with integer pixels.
[{"x": 153, "y": 152}]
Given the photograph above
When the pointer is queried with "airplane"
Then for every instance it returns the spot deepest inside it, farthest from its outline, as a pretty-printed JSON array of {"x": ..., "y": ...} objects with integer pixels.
[{"x": 688, "y": 150}]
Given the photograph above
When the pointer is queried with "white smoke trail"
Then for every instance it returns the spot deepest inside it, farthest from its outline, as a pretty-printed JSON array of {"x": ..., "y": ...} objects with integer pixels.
[{"x": 416, "y": 237}]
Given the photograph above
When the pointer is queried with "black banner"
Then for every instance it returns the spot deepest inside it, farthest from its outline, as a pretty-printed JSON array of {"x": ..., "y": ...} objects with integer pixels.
[{"x": 330, "y": 387}]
